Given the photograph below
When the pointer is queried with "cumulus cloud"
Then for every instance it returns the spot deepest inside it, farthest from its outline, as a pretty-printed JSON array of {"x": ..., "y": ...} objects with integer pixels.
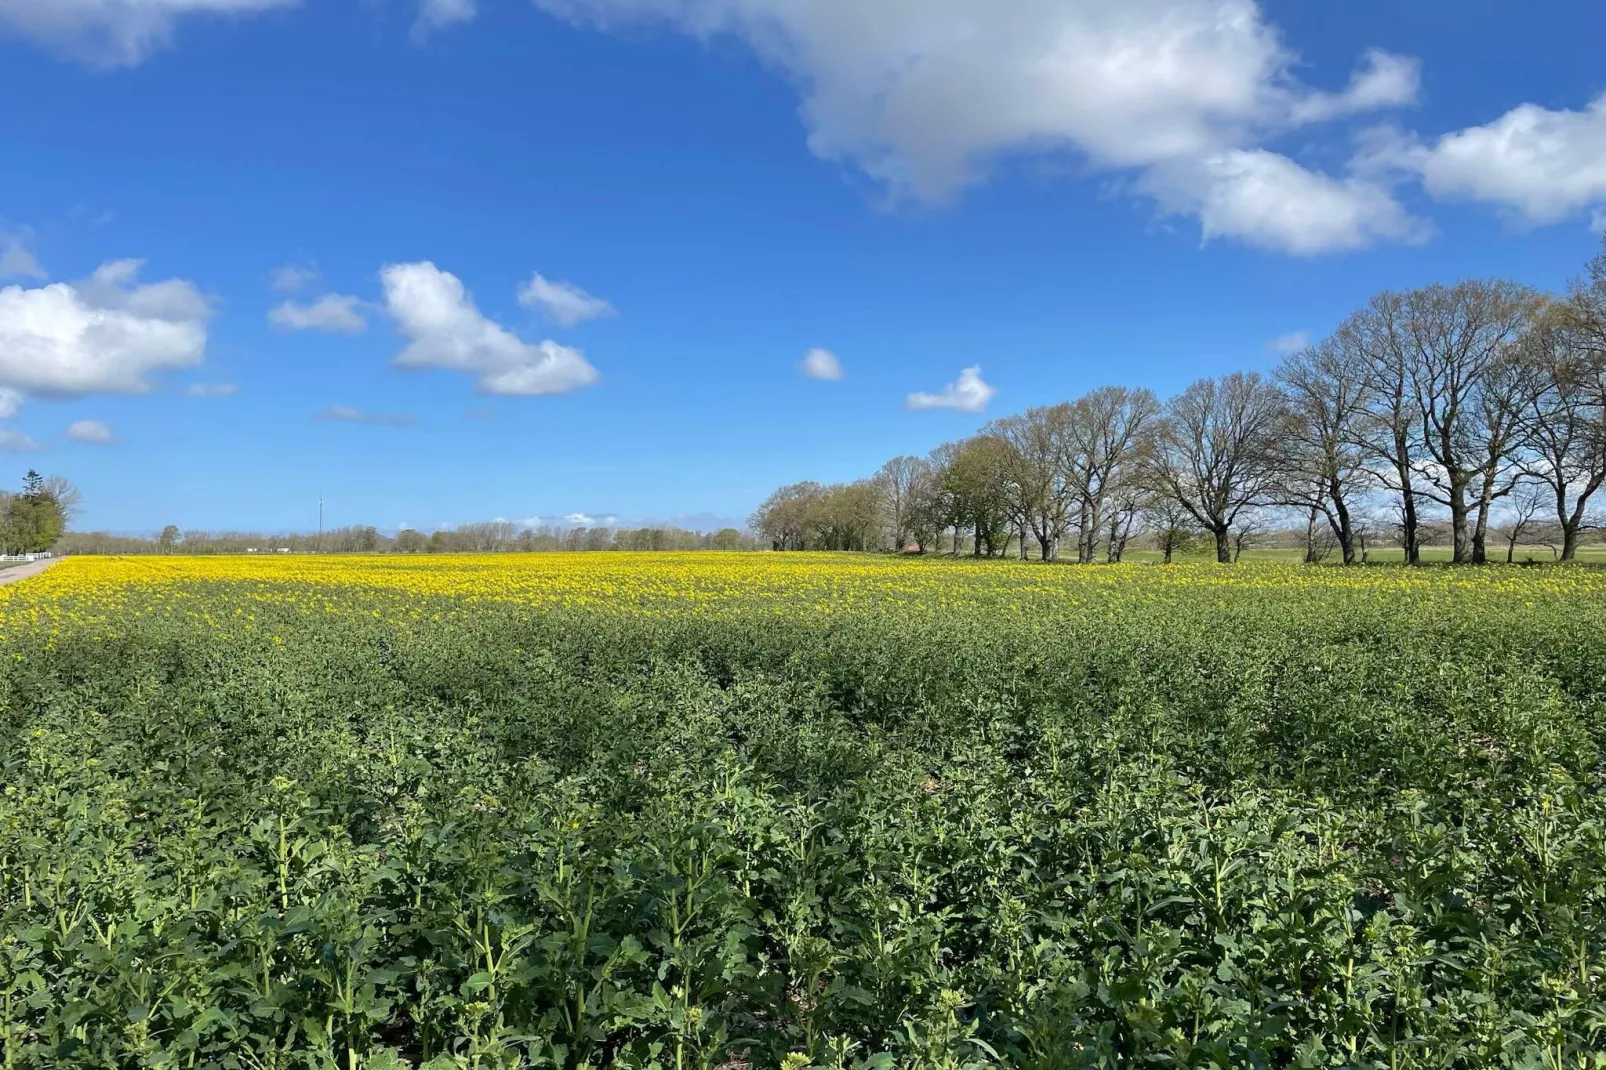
[
  {"x": 114, "y": 33},
  {"x": 439, "y": 14},
  {"x": 1292, "y": 342},
  {"x": 16, "y": 442},
  {"x": 16, "y": 261},
  {"x": 565, "y": 302},
  {"x": 334, "y": 313},
  {"x": 347, "y": 414},
  {"x": 1542, "y": 166},
  {"x": 821, "y": 364},
  {"x": 213, "y": 390},
  {"x": 447, "y": 330},
  {"x": 104, "y": 335},
  {"x": 967, "y": 394},
  {"x": 1269, "y": 201},
  {"x": 927, "y": 95},
  {"x": 94, "y": 432},
  {"x": 10, "y": 402}
]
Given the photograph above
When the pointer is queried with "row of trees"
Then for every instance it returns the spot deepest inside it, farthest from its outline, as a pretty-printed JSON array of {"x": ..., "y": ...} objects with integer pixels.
[
  {"x": 33, "y": 519},
  {"x": 498, "y": 536},
  {"x": 1447, "y": 406}
]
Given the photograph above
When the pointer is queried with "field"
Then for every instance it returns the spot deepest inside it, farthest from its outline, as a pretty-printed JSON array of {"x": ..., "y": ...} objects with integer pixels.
[{"x": 755, "y": 811}]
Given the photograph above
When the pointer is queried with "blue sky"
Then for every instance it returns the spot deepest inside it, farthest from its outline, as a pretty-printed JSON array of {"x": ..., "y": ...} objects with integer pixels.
[{"x": 1061, "y": 193}]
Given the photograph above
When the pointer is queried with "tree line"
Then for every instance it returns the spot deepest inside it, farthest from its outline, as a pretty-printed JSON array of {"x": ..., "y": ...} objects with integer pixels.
[
  {"x": 1431, "y": 413},
  {"x": 497, "y": 536}
]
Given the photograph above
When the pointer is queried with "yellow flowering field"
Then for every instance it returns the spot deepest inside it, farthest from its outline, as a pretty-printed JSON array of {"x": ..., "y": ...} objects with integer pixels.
[{"x": 799, "y": 810}]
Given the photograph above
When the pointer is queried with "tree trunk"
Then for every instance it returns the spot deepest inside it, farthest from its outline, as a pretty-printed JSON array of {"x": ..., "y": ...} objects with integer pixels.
[
  {"x": 1310, "y": 536},
  {"x": 1461, "y": 534},
  {"x": 1569, "y": 542},
  {"x": 1223, "y": 546},
  {"x": 1168, "y": 545}
]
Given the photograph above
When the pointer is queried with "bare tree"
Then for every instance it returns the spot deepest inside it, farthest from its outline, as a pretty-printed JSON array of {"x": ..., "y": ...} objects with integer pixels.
[
  {"x": 1036, "y": 476},
  {"x": 1215, "y": 453},
  {"x": 1526, "y": 505},
  {"x": 1323, "y": 465},
  {"x": 901, "y": 481},
  {"x": 1107, "y": 438},
  {"x": 1374, "y": 340},
  {"x": 1562, "y": 418},
  {"x": 1457, "y": 340},
  {"x": 1124, "y": 511}
]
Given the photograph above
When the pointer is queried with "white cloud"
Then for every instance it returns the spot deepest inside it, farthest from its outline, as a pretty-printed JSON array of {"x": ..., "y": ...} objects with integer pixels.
[
  {"x": 289, "y": 278},
  {"x": 16, "y": 442},
  {"x": 439, "y": 14},
  {"x": 432, "y": 308},
  {"x": 10, "y": 402},
  {"x": 1270, "y": 201},
  {"x": 968, "y": 394},
  {"x": 1292, "y": 342},
  {"x": 1540, "y": 165},
  {"x": 347, "y": 414},
  {"x": 334, "y": 313},
  {"x": 821, "y": 364},
  {"x": 1386, "y": 81},
  {"x": 114, "y": 33},
  {"x": 213, "y": 390},
  {"x": 16, "y": 261},
  {"x": 94, "y": 432},
  {"x": 926, "y": 95},
  {"x": 1597, "y": 221},
  {"x": 565, "y": 302},
  {"x": 106, "y": 334}
]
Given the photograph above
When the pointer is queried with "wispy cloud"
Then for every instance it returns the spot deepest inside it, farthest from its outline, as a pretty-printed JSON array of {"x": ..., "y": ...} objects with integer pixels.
[
  {"x": 213, "y": 390},
  {"x": 821, "y": 364},
  {"x": 289, "y": 278},
  {"x": 92, "y": 432},
  {"x": 16, "y": 260},
  {"x": 16, "y": 442},
  {"x": 1292, "y": 342},
  {"x": 333, "y": 313},
  {"x": 347, "y": 414},
  {"x": 564, "y": 302}
]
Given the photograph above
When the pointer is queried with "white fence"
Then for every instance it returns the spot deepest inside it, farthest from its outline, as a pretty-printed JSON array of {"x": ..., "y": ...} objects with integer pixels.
[{"x": 27, "y": 557}]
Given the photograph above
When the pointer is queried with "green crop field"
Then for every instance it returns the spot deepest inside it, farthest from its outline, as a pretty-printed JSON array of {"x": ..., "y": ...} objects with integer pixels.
[{"x": 754, "y": 811}]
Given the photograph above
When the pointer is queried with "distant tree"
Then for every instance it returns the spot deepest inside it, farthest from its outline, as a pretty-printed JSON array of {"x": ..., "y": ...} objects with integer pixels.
[
  {"x": 1034, "y": 476},
  {"x": 168, "y": 539},
  {"x": 726, "y": 539},
  {"x": 1523, "y": 518},
  {"x": 901, "y": 482},
  {"x": 438, "y": 542},
  {"x": 1173, "y": 526},
  {"x": 409, "y": 541},
  {"x": 786, "y": 517}
]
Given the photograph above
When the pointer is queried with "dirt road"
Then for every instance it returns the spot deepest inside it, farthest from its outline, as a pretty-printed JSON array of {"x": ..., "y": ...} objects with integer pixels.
[{"x": 22, "y": 572}]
